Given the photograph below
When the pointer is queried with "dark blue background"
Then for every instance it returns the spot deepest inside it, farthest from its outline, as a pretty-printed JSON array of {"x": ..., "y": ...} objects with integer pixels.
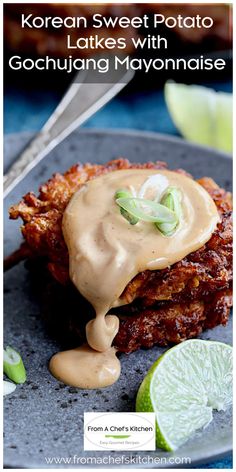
[{"x": 27, "y": 110}]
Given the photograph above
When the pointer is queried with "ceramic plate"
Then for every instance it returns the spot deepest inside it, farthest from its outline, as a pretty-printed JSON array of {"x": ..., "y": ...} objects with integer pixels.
[{"x": 44, "y": 419}]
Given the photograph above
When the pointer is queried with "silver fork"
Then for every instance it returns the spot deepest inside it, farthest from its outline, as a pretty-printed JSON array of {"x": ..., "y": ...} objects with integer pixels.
[{"x": 81, "y": 101}]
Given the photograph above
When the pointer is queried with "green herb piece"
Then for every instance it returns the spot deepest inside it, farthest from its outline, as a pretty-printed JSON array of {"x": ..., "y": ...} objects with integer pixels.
[
  {"x": 147, "y": 210},
  {"x": 8, "y": 387},
  {"x": 123, "y": 193},
  {"x": 13, "y": 365},
  {"x": 156, "y": 183},
  {"x": 172, "y": 200},
  {"x": 131, "y": 219}
]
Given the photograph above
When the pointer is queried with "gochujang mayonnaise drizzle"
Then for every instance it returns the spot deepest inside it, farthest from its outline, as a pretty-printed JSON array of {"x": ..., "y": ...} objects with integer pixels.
[{"x": 106, "y": 252}]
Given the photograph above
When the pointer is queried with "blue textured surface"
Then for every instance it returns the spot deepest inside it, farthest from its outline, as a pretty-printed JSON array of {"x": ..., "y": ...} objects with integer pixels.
[{"x": 27, "y": 111}]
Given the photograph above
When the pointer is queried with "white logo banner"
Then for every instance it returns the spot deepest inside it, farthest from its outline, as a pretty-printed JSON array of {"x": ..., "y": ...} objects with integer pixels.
[{"x": 119, "y": 431}]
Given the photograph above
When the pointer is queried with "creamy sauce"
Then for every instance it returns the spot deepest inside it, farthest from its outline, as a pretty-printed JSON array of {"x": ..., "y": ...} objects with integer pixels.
[
  {"x": 106, "y": 252},
  {"x": 74, "y": 367}
]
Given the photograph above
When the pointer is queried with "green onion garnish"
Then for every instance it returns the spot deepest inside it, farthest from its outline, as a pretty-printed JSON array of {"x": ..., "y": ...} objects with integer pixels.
[
  {"x": 165, "y": 214},
  {"x": 8, "y": 387},
  {"x": 147, "y": 210},
  {"x": 156, "y": 183},
  {"x": 13, "y": 365},
  {"x": 122, "y": 193},
  {"x": 172, "y": 200}
]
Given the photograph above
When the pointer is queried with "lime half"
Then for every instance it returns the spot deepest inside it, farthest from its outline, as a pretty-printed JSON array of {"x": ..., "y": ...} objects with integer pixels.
[
  {"x": 201, "y": 115},
  {"x": 184, "y": 386}
]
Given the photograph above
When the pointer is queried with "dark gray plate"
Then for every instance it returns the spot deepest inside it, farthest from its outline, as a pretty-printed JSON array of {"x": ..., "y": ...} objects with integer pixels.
[{"x": 42, "y": 418}]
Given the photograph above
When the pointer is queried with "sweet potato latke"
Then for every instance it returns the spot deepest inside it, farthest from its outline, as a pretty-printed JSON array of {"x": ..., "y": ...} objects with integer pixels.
[{"x": 165, "y": 306}]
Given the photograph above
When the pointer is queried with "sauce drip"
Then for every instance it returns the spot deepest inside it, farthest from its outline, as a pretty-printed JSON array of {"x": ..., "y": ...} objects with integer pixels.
[
  {"x": 106, "y": 252},
  {"x": 74, "y": 367}
]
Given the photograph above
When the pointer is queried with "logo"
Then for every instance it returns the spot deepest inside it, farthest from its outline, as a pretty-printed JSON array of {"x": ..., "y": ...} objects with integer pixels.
[{"x": 119, "y": 431}]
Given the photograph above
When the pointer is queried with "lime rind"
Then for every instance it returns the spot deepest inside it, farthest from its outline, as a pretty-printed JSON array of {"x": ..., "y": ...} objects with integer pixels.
[
  {"x": 224, "y": 120},
  {"x": 184, "y": 386}
]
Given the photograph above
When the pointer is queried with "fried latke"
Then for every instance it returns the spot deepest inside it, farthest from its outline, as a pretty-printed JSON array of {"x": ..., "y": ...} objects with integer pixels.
[{"x": 162, "y": 306}]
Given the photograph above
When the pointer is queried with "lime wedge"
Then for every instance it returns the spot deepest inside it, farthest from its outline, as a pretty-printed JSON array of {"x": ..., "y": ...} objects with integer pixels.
[
  {"x": 201, "y": 115},
  {"x": 184, "y": 386}
]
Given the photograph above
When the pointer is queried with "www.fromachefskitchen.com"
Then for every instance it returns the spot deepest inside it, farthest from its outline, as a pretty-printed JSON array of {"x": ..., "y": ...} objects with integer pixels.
[{"x": 118, "y": 460}]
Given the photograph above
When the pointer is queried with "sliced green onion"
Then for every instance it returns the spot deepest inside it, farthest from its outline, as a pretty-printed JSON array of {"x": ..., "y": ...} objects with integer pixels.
[
  {"x": 147, "y": 210},
  {"x": 13, "y": 365},
  {"x": 156, "y": 183},
  {"x": 172, "y": 200},
  {"x": 123, "y": 193},
  {"x": 8, "y": 387},
  {"x": 130, "y": 218}
]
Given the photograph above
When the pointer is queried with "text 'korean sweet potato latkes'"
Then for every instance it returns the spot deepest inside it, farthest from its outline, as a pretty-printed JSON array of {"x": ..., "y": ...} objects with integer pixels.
[{"x": 161, "y": 306}]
